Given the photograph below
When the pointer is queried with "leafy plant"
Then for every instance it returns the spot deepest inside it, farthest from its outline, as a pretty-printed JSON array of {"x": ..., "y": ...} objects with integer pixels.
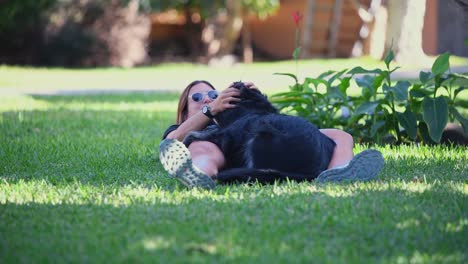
[{"x": 385, "y": 111}]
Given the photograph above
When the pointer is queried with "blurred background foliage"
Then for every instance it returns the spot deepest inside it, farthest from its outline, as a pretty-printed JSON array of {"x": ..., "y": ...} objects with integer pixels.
[
  {"x": 91, "y": 33},
  {"x": 77, "y": 33}
]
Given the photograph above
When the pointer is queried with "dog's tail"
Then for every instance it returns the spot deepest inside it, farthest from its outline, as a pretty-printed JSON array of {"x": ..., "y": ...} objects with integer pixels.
[{"x": 264, "y": 176}]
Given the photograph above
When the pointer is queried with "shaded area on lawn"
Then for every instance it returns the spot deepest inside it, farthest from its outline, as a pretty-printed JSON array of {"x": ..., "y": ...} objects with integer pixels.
[
  {"x": 111, "y": 97},
  {"x": 113, "y": 139},
  {"x": 386, "y": 225},
  {"x": 80, "y": 181}
]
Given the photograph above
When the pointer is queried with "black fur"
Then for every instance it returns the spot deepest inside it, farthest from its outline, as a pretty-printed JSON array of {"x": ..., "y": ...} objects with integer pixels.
[{"x": 262, "y": 145}]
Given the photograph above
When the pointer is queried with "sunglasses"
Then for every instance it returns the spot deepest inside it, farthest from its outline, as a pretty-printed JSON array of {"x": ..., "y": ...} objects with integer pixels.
[{"x": 197, "y": 97}]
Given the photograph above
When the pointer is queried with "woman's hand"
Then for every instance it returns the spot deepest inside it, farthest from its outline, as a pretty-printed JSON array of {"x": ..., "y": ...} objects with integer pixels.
[
  {"x": 228, "y": 98},
  {"x": 250, "y": 85},
  {"x": 225, "y": 100}
]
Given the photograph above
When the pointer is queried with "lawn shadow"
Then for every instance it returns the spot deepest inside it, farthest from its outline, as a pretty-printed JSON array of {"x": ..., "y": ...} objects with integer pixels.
[
  {"x": 108, "y": 96},
  {"x": 116, "y": 147},
  {"x": 259, "y": 226},
  {"x": 93, "y": 147}
]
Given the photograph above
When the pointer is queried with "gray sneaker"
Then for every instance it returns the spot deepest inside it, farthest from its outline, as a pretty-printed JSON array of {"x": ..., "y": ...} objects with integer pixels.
[
  {"x": 176, "y": 160},
  {"x": 363, "y": 167}
]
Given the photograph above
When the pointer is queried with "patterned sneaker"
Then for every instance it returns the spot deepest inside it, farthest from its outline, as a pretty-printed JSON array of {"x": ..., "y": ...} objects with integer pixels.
[
  {"x": 176, "y": 160},
  {"x": 363, "y": 167}
]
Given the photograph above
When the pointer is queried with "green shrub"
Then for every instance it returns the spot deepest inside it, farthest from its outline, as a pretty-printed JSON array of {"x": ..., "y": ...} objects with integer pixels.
[
  {"x": 21, "y": 29},
  {"x": 385, "y": 111}
]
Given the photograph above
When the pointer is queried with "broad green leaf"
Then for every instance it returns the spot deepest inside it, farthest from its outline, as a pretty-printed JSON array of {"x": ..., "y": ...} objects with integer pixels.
[
  {"x": 287, "y": 74},
  {"x": 441, "y": 64},
  {"x": 457, "y": 75},
  {"x": 401, "y": 90},
  {"x": 366, "y": 94},
  {"x": 424, "y": 132},
  {"x": 389, "y": 94},
  {"x": 365, "y": 81},
  {"x": 463, "y": 121},
  {"x": 320, "y": 96},
  {"x": 289, "y": 100},
  {"x": 459, "y": 90},
  {"x": 386, "y": 88},
  {"x": 420, "y": 92},
  {"x": 291, "y": 93},
  {"x": 344, "y": 85},
  {"x": 367, "y": 108},
  {"x": 336, "y": 76},
  {"x": 375, "y": 127},
  {"x": 316, "y": 82},
  {"x": 334, "y": 92},
  {"x": 439, "y": 80},
  {"x": 378, "y": 81},
  {"x": 296, "y": 87},
  {"x": 390, "y": 56},
  {"x": 424, "y": 76},
  {"x": 416, "y": 86},
  {"x": 435, "y": 114},
  {"x": 409, "y": 122},
  {"x": 360, "y": 70},
  {"x": 460, "y": 79},
  {"x": 325, "y": 74}
]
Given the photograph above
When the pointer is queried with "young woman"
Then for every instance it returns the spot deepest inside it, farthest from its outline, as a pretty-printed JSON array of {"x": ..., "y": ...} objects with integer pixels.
[{"x": 197, "y": 164}]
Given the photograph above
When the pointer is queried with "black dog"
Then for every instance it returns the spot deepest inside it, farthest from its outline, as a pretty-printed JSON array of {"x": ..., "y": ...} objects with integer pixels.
[{"x": 262, "y": 145}]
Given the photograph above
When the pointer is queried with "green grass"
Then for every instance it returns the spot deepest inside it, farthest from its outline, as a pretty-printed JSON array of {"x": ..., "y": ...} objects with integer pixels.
[
  {"x": 80, "y": 182},
  {"x": 175, "y": 77}
]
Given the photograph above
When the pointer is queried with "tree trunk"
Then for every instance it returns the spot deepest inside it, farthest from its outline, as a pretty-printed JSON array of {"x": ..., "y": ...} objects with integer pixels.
[
  {"x": 222, "y": 30},
  {"x": 247, "y": 50},
  {"x": 404, "y": 30},
  {"x": 308, "y": 28},
  {"x": 335, "y": 26},
  {"x": 193, "y": 27}
]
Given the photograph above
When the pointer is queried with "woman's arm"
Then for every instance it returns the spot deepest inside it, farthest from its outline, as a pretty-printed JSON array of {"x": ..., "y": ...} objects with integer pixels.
[
  {"x": 199, "y": 121},
  {"x": 196, "y": 122}
]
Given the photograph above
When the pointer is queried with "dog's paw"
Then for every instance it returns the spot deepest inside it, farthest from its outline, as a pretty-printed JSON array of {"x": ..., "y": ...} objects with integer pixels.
[{"x": 188, "y": 140}]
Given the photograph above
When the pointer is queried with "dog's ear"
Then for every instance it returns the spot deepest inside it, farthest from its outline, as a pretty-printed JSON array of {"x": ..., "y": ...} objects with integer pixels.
[
  {"x": 251, "y": 93},
  {"x": 239, "y": 85},
  {"x": 254, "y": 99}
]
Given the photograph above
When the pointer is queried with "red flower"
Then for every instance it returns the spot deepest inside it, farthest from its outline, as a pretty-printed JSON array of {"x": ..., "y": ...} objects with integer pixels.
[{"x": 297, "y": 17}]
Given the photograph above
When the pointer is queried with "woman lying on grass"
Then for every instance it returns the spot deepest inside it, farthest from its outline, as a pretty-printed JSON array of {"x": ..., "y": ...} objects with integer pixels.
[{"x": 201, "y": 161}]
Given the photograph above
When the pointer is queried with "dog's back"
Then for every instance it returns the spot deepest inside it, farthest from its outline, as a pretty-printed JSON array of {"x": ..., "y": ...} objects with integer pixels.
[{"x": 261, "y": 145}]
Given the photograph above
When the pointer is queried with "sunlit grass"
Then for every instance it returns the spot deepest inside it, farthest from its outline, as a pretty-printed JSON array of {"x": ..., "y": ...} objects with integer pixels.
[
  {"x": 28, "y": 103},
  {"x": 80, "y": 181},
  {"x": 175, "y": 77}
]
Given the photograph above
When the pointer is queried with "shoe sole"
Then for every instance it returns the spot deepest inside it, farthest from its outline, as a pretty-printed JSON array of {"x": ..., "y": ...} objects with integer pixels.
[
  {"x": 363, "y": 167},
  {"x": 176, "y": 160}
]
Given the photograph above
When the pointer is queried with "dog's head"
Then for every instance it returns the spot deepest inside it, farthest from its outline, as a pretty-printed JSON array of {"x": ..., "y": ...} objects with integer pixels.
[{"x": 252, "y": 102}]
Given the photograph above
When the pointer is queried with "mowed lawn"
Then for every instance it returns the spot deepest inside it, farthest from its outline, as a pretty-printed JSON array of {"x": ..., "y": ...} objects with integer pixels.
[
  {"x": 175, "y": 76},
  {"x": 80, "y": 182}
]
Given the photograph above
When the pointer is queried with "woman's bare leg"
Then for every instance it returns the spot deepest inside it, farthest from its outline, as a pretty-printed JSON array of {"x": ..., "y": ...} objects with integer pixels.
[
  {"x": 343, "y": 152},
  {"x": 177, "y": 160},
  {"x": 344, "y": 166},
  {"x": 207, "y": 157}
]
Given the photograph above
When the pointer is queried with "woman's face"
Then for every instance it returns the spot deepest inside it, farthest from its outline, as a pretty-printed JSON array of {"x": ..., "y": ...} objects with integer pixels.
[{"x": 195, "y": 107}]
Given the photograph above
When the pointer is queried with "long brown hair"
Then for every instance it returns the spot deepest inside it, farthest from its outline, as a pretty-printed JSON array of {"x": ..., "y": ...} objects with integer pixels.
[{"x": 182, "y": 109}]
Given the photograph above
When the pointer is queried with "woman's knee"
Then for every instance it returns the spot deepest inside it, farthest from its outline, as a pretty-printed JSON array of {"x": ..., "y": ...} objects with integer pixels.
[
  {"x": 339, "y": 136},
  {"x": 206, "y": 148},
  {"x": 207, "y": 157}
]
